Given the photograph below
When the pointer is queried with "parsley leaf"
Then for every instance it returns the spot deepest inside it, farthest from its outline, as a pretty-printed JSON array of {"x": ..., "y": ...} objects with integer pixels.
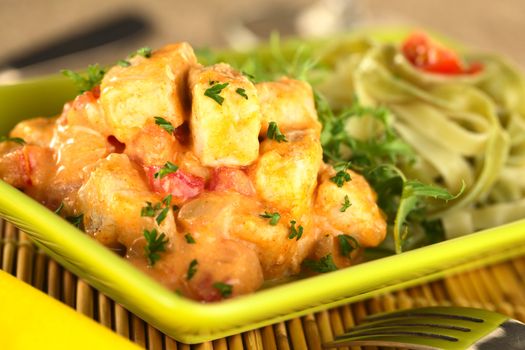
[
  {"x": 155, "y": 244},
  {"x": 94, "y": 76},
  {"x": 160, "y": 218},
  {"x": 18, "y": 140},
  {"x": 166, "y": 125},
  {"x": 274, "y": 217},
  {"x": 168, "y": 168},
  {"x": 164, "y": 212},
  {"x": 274, "y": 133},
  {"x": 192, "y": 269},
  {"x": 385, "y": 148},
  {"x": 342, "y": 175},
  {"x": 296, "y": 233},
  {"x": 241, "y": 92},
  {"x": 347, "y": 244},
  {"x": 345, "y": 205},
  {"x": 325, "y": 264},
  {"x": 214, "y": 92},
  {"x": 223, "y": 288},
  {"x": 123, "y": 63},
  {"x": 76, "y": 220},
  {"x": 143, "y": 51},
  {"x": 167, "y": 200},
  {"x": 150, "y": 210},
  {"x": 59, "y": 209},
  {"x": 189, "y": 238},
  {"x": 413, "y": 191}
]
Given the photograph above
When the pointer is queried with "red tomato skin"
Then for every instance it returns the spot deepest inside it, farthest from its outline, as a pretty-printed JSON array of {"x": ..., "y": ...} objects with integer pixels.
[
  {"x": 429, "y": 56},
  {"x": 231, "y": 179},
  {"x": 180, "y": 184}
]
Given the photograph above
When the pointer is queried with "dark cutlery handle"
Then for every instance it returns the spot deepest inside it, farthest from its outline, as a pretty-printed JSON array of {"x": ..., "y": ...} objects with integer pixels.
[{"x": 98, "y": 34}]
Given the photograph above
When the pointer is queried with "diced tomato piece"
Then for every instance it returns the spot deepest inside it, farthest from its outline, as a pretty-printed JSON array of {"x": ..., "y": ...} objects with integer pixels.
[
  {"x": 96, "y": 92},
  {"x": 231, "y": 179},
  {"x": 86, "y": 98},
  {"x": 19, "y": 166},
  {"x": 430, "y": 56},
  {"x": 180, "y": 184}
]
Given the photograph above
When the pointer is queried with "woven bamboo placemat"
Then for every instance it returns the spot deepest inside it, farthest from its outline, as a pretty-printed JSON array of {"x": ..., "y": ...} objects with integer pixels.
[{"x": 497, "y": 287}]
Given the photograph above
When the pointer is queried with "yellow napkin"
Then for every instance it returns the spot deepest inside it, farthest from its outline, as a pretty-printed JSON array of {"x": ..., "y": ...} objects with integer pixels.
[{"x": 29, "y": 319}]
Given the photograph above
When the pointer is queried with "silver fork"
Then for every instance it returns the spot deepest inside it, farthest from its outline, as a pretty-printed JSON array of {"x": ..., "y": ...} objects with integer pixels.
[{"x": 432, "y": 328}]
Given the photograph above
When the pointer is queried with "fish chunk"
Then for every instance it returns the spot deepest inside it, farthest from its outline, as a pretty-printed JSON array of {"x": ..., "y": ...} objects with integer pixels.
[
  {"x": 156, "y": 86},
  {"x": 112, "y": 199},
  {"x": 285, "y": 175},
  {"x": 289, "y": 103},
  {"x": 37, "y": 131},
  {"x": 233, "y": 216},
  {"x": 85, "y": 110},
  {"x": 362, "y": 220},
  {"x": 216, "y": 262},
  {"x": 225, "y": 132},
  {"x": 77, "y": 149}
]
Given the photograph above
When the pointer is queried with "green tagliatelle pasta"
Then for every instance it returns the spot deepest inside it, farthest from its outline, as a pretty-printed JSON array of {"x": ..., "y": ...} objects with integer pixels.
[
  {"x": 464, "y": 128},
  {"x": 467, "y": 130}
]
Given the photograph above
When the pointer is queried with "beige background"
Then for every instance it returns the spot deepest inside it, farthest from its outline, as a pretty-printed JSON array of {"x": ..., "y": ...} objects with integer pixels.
[{"x": 490, "y": 25}]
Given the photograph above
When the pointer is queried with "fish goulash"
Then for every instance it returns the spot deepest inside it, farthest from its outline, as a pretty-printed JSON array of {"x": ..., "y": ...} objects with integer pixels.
[{"x": 209, "y": 183}]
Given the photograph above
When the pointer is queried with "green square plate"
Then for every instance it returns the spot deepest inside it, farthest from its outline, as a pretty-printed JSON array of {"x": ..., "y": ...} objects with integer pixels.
[{"x": 189, "y": 321}]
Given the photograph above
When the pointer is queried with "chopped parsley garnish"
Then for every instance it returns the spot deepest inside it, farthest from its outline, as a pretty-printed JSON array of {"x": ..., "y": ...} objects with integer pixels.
[
  {"x": 163, "y": 213},
  {"x": 94, "y": 76},
  {"x": 347, "y": 244},
  {"x": 223, "y": 288},
  {"x": 325, "y": 264},
  {"x": 274, "y": 133},
  {"x": 76, "y": 220},
  {"x": 143, "y": 51},
  {"x": 155, "y": 244},
  {"x": 18, "y": 140},
  {"x": 123, "y": 63},
  {"x": 241, "y": 92},
  {"x": 274, "y": 217},
  {"x": 166, "y": 125},
  {"x": 214, "y": 92},
  {"x": 345, "y": 205},
  {"x": 192, "y": 269},
  {"x": 150, "y": 210},
  {"x": 189, "y": 238},
  {"x": 167, "y": 200},
  {"x": 296, "y": 233},
  {"x": 249, "y": 76},
  {"x": 168, "y": 168},
  {"x": 175, "y": 208},
  {"x": 342, "y": 175},
  {"x": 59, "y": 209}
]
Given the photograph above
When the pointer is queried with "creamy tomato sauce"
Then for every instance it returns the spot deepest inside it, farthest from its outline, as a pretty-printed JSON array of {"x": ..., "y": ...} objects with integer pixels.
[{"x": 208, "y": 182}]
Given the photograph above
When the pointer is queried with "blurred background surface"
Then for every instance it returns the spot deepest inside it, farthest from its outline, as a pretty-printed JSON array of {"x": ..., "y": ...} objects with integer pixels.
[{"x": 124, "y": 25}]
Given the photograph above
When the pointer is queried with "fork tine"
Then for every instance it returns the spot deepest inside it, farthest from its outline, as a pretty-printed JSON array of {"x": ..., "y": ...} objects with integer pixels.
[
  {"x": 437, "y": 322},
  {"x": 456, "y": 313},
  {"x": 434, "y": 327},
  {"x": 395, "y": 340},
  {"x": 447, "y": 328}
]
